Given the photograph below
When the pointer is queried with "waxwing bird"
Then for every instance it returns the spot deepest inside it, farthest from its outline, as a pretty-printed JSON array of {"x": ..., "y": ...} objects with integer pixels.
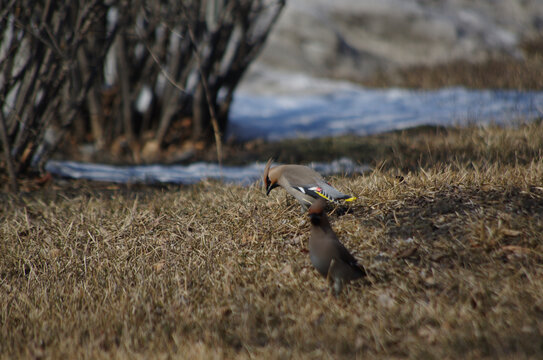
[
  {"x": 327, "y": 253},
  {"x": 302, "y": 182}
]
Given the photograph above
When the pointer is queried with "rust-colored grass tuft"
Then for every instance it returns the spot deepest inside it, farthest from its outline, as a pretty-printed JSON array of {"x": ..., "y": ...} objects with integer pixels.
[{"x": 449, "y": 229}]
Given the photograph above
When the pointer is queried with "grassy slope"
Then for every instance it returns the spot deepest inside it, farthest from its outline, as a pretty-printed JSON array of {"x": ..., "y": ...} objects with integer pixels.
[
  {"x": 455, "y": 254},
  {"x": 501, "y": 72}
]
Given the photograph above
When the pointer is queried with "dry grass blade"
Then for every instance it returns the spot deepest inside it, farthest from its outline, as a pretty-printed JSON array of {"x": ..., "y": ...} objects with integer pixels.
[{"x": 454, "y": 256}]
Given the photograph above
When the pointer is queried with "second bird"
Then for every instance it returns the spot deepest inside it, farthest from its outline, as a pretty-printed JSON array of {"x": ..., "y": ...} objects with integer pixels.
[
  {"x": 302, "y": 182},
  {"x": 327, "y": 253}
]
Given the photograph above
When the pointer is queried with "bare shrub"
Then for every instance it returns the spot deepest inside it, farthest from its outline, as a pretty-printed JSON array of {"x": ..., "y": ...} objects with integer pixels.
[
  {"x": 122, "y": 69},
  {"x": 42, "y": 85}
]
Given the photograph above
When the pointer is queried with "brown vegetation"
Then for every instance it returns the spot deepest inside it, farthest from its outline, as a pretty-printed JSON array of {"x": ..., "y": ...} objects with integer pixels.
[
  {"x": 503, "y": 72},
  {"x": 454, "y": 249}
]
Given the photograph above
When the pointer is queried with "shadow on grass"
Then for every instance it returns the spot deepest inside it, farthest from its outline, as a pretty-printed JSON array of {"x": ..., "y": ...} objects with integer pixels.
[{"x": 408, "y": 150}]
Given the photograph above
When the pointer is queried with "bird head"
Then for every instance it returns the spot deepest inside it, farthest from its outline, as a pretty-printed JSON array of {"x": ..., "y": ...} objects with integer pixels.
[
  {"x": 270, "y": 181},
  {"x": 316, "y": 211}
]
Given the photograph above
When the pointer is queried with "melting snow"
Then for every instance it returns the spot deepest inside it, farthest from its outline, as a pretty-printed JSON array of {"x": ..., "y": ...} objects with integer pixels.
[
  {"x": 179, "y": 174},
  {"x": 298, "y": 107},
  {"x": 292, "y": 105}
]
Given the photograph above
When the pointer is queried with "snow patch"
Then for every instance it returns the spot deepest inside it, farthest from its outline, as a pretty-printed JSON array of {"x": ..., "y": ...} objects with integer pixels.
[
  {"x": 299, "y": 106},
  {"x": 181, "y": 174}
]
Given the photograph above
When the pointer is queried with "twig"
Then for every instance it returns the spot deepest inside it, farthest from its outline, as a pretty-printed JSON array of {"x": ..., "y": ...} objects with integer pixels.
[
  {"x": 124, "y": 81},
  {"x": 164, "y": 72},
  {"x": 7, "y": 153},
  {"x": 212, "y": 114}
]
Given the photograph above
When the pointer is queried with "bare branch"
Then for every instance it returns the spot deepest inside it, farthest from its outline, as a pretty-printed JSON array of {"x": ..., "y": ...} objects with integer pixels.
[
  {"x": 216, "y": 130},
  {"x": 155, "y": 58},
  {"x": 7, "y": 155}
]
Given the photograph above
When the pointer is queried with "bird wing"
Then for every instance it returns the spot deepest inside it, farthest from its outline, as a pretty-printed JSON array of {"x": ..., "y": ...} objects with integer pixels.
[
  {"x": 324, "y": 190},
  {"x": 331, "y": 192},
  {"x": 310, "y": 182},
  {"x": 346, "y": 257}
]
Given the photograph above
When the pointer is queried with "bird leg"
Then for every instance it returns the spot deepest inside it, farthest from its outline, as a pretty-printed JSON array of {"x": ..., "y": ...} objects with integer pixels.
[
  {"x": 330, "y": 268},
  {"x": 338, "y": 286},
  {"x": 337, "y": 282}
]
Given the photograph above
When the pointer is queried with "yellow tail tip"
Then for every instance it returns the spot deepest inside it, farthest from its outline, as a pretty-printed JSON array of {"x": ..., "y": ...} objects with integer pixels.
[
  {"x": 352, "y": 198},
  {"x": 323, "y": 196}
]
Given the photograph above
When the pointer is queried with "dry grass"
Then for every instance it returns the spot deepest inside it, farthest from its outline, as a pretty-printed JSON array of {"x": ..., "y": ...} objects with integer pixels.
[
  {"x": 454, "y": 252},
  {"x": 502, "y": 72},
  {"x": 408, "y": 150}
]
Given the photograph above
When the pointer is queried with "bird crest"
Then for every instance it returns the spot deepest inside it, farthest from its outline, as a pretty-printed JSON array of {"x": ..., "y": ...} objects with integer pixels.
[{"x": 265, "y": 177}]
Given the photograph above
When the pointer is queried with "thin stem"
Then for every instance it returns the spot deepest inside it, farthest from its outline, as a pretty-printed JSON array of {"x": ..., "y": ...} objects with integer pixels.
[
  {"x": 212, "y": 113},
  {"x": 7, "y": 152}
]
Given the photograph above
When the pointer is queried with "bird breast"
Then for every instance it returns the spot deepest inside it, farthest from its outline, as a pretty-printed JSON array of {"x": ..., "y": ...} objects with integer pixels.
[{"x": 320, "y": 263}]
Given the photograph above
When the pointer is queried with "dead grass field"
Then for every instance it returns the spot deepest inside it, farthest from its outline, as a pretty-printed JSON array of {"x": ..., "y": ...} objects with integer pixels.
[
  {"x": 454, "y": 250},
  {"x": 504, "y": 72}
]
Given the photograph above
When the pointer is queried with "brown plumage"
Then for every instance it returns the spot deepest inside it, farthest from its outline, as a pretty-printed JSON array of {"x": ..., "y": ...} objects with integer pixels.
[
  {"x": 302, "y": 182},
  {"x": 327, "y": 253}
]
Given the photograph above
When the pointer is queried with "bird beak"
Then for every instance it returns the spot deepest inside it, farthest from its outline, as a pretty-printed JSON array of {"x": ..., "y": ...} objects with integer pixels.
[{"x": 270, "y": 187}]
